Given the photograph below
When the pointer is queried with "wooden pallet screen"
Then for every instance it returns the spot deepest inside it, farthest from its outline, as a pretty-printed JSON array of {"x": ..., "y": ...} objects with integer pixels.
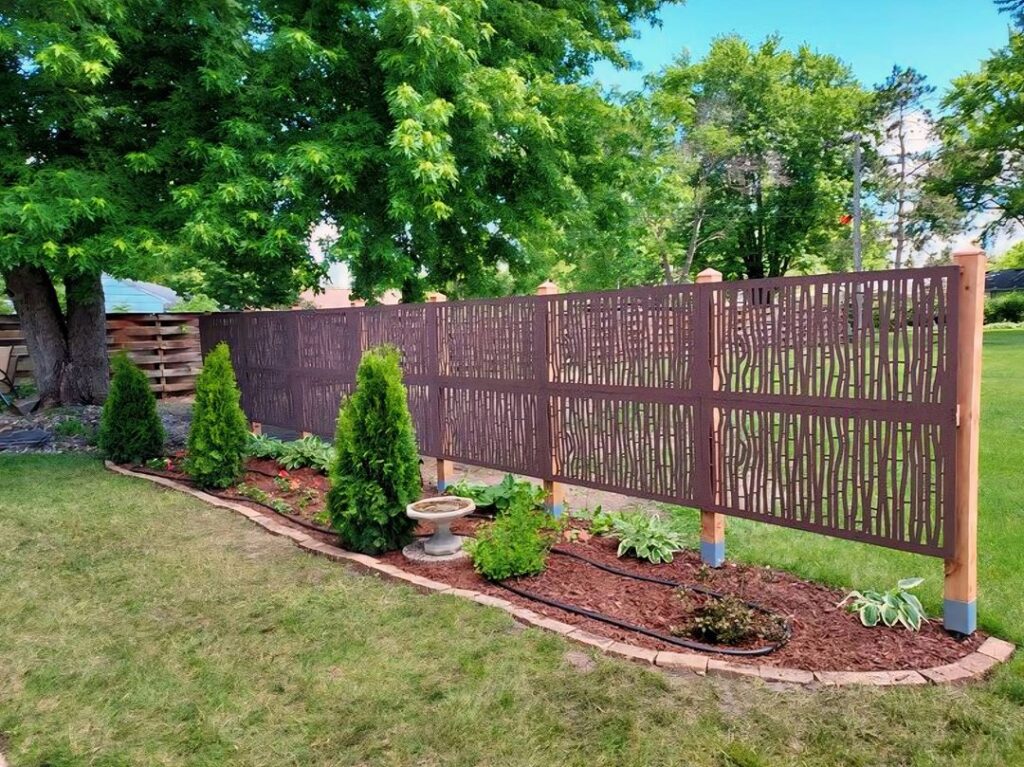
[{"x": 165, "y": 346}]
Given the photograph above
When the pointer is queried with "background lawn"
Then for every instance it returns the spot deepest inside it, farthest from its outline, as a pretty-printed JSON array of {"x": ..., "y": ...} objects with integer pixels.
[{"x": 140, "y": 627}]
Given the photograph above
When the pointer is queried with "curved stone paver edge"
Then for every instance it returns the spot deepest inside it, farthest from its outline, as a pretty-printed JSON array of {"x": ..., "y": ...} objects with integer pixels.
[{"x": 973, "y": 666}]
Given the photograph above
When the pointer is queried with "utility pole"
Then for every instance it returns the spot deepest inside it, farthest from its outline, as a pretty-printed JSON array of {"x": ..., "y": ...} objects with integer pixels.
[{"x": 857, "y": 170}]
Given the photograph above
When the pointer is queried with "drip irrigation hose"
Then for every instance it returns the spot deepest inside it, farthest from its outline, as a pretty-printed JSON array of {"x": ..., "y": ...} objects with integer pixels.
[
  {"x": 600, "y": 617},
  {"x": 678, "y": 641}
]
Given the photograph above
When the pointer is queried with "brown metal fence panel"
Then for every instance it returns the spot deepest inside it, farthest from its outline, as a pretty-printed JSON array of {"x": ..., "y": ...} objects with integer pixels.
[{"x": 824, "y": 403}]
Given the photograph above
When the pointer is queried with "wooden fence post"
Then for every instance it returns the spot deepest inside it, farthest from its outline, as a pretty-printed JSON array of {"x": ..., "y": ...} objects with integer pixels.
[
  {"x": 554, "y": 492},
  {"x": 960, "y": 606},
  {"x": 712, "y": 525},
  {"x": 445, "y": 469}
]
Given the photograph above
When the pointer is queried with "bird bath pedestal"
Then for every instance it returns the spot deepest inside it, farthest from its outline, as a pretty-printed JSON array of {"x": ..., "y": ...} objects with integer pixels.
[{"x": 442, "y": 511}]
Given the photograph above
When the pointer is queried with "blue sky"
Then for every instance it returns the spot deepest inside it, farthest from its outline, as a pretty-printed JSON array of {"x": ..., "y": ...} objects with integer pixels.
[{"x": 941, "y": 38}]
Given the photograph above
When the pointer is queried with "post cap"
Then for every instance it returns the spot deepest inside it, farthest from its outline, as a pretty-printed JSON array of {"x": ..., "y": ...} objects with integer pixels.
[
  {"x": 968, "y": 250},
  {"x": 547, "y": 288},
  {"x": 709, "y": 275}
]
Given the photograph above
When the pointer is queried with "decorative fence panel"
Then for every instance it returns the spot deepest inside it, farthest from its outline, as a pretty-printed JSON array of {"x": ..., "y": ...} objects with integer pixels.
[{"x": 824, "y": 403}]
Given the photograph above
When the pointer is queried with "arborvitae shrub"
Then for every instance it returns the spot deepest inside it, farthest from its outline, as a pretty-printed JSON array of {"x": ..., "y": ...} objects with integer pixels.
[
  {"x": 376, "y": 472},
  {"x": 218, "y": 435},
  {"x": 130, "y": 428}
]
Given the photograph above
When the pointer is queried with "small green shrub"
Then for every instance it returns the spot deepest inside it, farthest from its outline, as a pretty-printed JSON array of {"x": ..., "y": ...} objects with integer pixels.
[
  {"x": 646, "y": 537},
  {"x": 308, "y": 452},
  {"x": 502, "y": 496},
  {"x": 515, "y": 544},
  {"x": 376, "y": 471},
  {"x": 71, "y": 427},
  {"x": 218, "y": 437},
  {"x": 897, "y": 605},
  {"x": 262, "y": 446},
  {"x": 130, "y": 427},
  {"x": 1005, "y": 307},
  {"x": 728, "y": 620},
  {"x": 252, "y": 492}
]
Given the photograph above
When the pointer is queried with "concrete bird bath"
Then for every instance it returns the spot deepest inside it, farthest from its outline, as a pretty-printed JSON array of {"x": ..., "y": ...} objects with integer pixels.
[{"x": 442, "y": 511}]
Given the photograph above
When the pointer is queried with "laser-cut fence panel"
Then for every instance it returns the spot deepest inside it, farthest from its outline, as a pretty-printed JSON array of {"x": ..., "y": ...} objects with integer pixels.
[
  {"x": 490, "y": 359},
  {"x": 823, "y": 403}
]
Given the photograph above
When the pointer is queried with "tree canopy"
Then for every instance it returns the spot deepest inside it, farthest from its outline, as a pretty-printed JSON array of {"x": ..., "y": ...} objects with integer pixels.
[{"x": 766, "y": 134}]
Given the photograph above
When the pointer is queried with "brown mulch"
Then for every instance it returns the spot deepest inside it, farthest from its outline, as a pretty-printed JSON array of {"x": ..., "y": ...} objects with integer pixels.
[{"x": 824, "y": 637}]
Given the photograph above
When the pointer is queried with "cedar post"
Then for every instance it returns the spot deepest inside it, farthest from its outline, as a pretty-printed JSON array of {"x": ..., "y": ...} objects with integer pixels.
[
  {"x": 712, "y": 525},
  {"x": 960, "y": 606},
  {"x": 554, "y": 492},
  {"x": 445, "y": 470}
]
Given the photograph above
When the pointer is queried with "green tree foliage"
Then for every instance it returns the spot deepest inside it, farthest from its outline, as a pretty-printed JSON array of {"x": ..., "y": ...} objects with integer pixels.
[
  {"x": 901, "y": 162},
  {"x": 376, "y": 474},
  {"x": 1013, "y": 258},
  {"x": 450, "y": 142},
  {"x": 765, "y": 134},
  {"x": 130, "y": 428},
  {"x": 982, "y": 143},
  {"x": 217, "y": 438}
]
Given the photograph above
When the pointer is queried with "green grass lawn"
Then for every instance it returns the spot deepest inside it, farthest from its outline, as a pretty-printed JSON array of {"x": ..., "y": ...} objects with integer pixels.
[{"x": 141, "y": 627}]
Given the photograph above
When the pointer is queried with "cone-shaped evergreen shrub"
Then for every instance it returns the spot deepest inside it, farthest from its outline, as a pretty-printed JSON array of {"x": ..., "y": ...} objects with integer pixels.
[
  {"x": 376, "y": 473},
  {"x": 217, "y": 437},
  {"x": 130, "y": 428}
]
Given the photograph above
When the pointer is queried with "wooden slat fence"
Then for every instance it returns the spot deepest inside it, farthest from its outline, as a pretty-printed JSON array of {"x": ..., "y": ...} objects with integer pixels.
[{"x": 165, "y": 346}]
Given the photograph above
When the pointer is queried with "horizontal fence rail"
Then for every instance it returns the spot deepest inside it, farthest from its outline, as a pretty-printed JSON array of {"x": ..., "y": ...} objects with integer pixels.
[
  {"x": 164, "y": 346},
  {"x": 825, "y": 403}
]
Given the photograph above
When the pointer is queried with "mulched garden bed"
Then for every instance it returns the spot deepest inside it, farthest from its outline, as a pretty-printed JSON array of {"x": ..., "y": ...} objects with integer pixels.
[{"x": 824, "y": 637}]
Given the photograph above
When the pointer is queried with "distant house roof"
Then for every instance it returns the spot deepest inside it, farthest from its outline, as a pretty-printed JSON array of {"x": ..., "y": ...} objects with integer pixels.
[
  {"x": 134, "y": 296},
  {"x": 1004, "y": 280}
]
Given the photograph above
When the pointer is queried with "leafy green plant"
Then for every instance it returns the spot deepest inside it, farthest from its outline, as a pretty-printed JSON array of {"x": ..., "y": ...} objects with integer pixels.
[
  {"x": 376, "y": 471},
  {"x": 308, "y": 452},
  {"x": 1005, "y": 307},
  {"x": 501, "y": 496},
  {"x": 515, "y": 544},
  {"x": 130, "y": 427},
  {"x": 603, "y": 522},
  {"x": 281, "y": 507},
  {"x": 728, "y": 620},
  {"x": 71, "y": 427},
  {"x": 646, "y": 537},
  {"x": 897, "y": 605},
  {"x": 263, "y": 446},
  {"x": 252, "y": 492},
  {"x": 218, "y": 436}
]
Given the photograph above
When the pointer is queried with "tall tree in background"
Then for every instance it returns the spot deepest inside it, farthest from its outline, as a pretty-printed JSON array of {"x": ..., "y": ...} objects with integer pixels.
[
  {"x": 767, "y": 132},
  {"x": 905, "y": 148},
  {"x": 213, "y": 135},
  {"x": 112, "y": 110},
  {"x": 981, "y": 159}
]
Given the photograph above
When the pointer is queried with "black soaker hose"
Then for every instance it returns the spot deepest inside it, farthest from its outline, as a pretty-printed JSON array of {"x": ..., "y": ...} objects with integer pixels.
[
  {"x": 601, "y": 617},
  {"x": 679, "y": 642}
]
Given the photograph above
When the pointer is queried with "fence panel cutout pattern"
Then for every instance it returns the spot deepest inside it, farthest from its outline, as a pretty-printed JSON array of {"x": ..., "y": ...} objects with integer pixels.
[{"x": 833, "y": 409}]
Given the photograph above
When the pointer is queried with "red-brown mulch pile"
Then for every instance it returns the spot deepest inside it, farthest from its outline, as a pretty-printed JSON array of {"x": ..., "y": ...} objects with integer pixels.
[{"x": 824, "y": 637}]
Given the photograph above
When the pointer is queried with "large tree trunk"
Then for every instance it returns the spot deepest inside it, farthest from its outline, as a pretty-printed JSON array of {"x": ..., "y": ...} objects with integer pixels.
[
  {"x": 86, "y": 375},
  {"x": 69, "y": 356}
]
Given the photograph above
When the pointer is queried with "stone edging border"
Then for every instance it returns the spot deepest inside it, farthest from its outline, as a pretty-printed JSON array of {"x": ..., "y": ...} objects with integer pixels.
[{"x": 974, "y": 666}]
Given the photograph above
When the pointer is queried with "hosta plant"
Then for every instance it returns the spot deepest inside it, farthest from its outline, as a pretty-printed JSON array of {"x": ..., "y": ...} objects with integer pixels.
[
  {"x": 897, "y": 605},
  {"x": 646, "y": 537},
  {"x": 263, "y": 446},
  {"x": 501, "y": 496},
  {"x": 308, "y": 452}
]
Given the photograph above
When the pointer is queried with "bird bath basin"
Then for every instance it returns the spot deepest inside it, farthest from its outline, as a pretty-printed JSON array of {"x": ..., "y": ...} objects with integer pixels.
[{"x": 442, "y": 511}]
